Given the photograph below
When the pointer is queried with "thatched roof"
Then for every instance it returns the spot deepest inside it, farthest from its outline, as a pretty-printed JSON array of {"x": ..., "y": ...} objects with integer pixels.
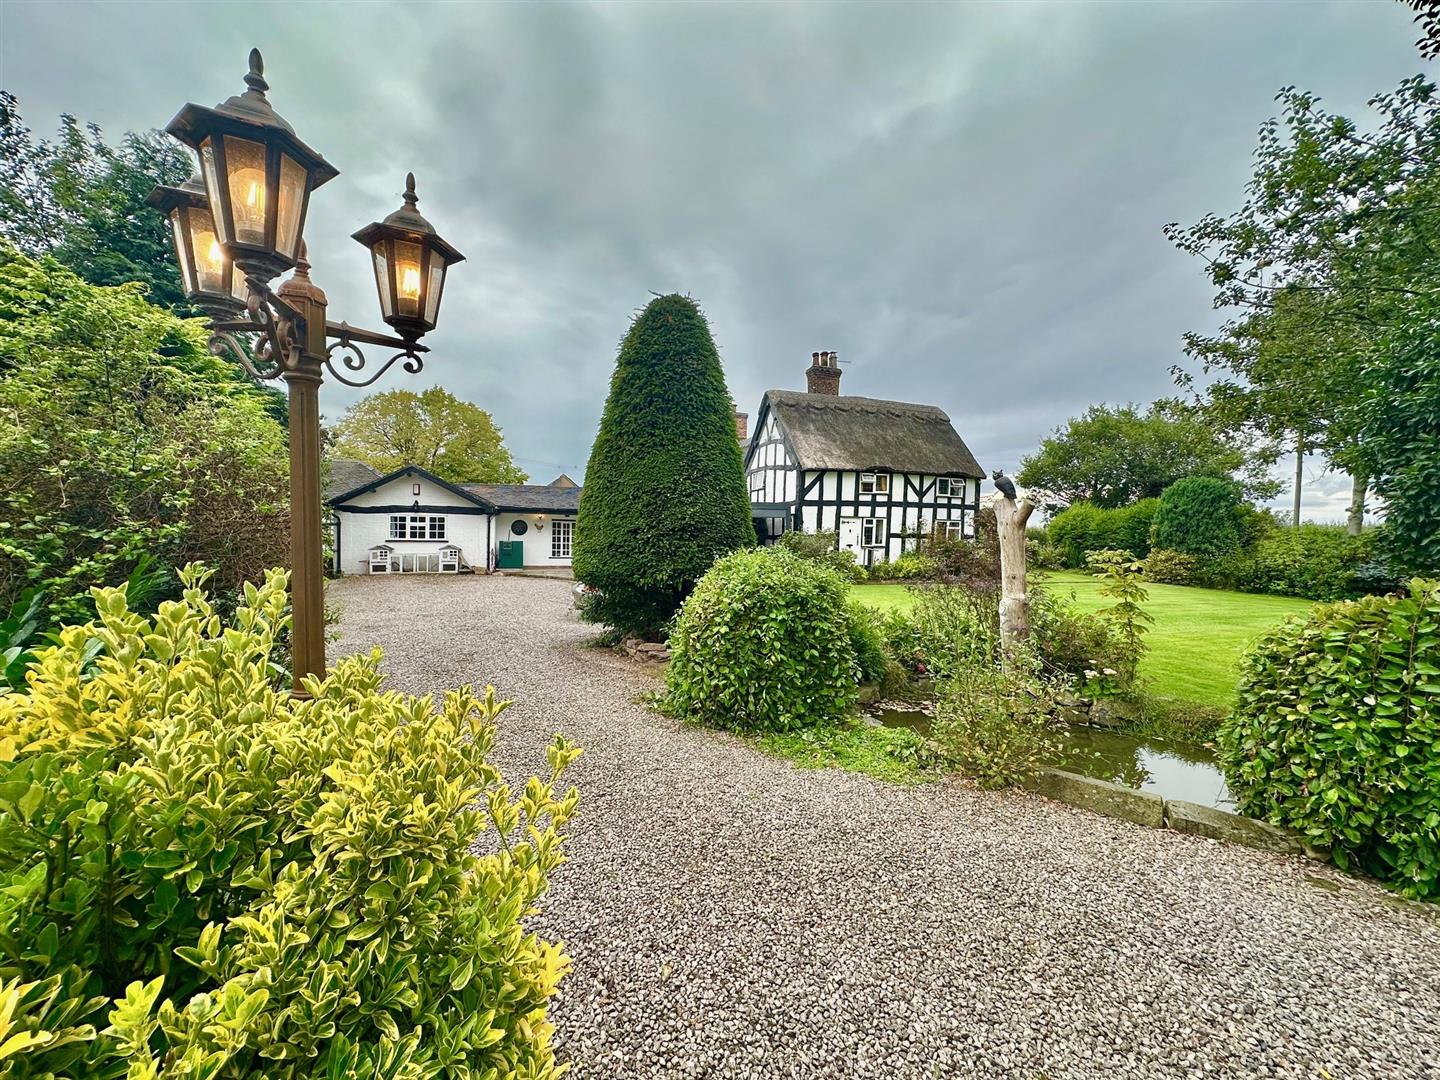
[{"x": 829, "y": 431}]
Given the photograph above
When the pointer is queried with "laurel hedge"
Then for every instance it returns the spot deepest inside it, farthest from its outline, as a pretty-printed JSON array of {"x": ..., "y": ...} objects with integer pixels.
[
  {"x": 764, "y": 643},
  {"x": 201, "y": 876},
  {"x": 1337, "y": 734},
  {"x": 664, "y": 492}
]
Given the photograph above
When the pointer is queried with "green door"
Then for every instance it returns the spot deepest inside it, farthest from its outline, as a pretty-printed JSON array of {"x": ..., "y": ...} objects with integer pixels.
[{"x": 512, "y": 555}]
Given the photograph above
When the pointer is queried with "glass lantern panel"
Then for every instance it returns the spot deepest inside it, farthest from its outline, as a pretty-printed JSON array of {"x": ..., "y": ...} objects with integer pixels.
[
  {"x": 209, "y": 255},
  {"x": 245, "y": 165},
  {"x": 433, "y": 289},
  {"x": 407, "y": 279},
  {"x": 182, "y": 249},
  {"x": 212, "y": 184},
  {"x": 292, "y": 198},
  {"x": 382, "y": 279},
  {"x": 238, "y": 288}
]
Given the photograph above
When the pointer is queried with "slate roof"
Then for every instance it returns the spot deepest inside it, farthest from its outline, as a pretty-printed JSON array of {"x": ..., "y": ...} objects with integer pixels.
[
  {"x": 828, "y": 431},
  {"x": 345, "y": 475},
  {"x": 543, "y": 498}
]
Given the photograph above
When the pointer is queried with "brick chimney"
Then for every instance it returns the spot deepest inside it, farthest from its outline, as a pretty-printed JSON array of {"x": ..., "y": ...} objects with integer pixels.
[
  {"x": 742, "y": 425},
  {"x": 823, "y": 374}
]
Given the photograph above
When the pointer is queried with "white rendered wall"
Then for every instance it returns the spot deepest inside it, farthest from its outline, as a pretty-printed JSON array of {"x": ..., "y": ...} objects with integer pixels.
[
  {"x": 537, "y": 540},
  {"x": 359, "y": 532}
]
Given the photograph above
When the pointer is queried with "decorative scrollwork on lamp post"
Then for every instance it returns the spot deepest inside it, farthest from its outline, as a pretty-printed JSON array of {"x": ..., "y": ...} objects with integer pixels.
[{"x": 239, "y": 225}]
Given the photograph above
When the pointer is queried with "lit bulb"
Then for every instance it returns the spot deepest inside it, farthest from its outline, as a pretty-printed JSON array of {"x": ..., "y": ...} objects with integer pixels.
[
  {"x": 211, "y": 259},
  {"x": 410, "y": 281},
  {"x": 249, "y": 186}
]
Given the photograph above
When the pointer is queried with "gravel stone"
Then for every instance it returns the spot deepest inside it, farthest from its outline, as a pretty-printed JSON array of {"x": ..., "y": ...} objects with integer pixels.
[{"x": 730, "y": 915}]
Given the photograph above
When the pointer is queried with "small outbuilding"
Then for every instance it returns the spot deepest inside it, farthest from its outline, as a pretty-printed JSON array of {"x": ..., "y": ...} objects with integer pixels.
[{"x": 411, "y": 521}]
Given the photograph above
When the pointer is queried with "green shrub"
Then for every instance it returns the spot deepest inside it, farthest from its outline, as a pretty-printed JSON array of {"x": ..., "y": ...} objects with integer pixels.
[
  {"x": 947, "y": 628},
  {"x": 1082, "y": 528},
  {"x": 1120, "y": 580},
  {"x": 1200, "y": 515},
  {"x": 1068, "y": 642},
  {"x": 867, "y": 641},
  {"x": 1077, "y": 529},
  {"x": 973, "y": 563},
  {"x": 910, "y": 566},
  {"x": 1319, "y": 562},
  {"x": 993, "y": 722},
  {"x": 1131, "y": 526},
  {"x": 823, "y": 547},
  {"x": 1165, "y": 566},
  {"x": 763, "y": 644},
  {"x": 1337, "y": 734},
  {"x": 123, "y": 436},
  {"x": 202, "y": 876},
  {"x": 1043, "y": 555},
  {"x": 664, "y": 492}
]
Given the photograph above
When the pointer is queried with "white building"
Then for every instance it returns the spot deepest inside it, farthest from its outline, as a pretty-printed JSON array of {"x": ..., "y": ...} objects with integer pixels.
[
  {"x": 413, "y": 522},
  {"x": 880, "y": 474}
]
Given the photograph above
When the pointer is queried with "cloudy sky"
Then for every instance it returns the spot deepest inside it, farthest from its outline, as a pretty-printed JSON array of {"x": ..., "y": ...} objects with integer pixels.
[{"x": 964, "y": 201}]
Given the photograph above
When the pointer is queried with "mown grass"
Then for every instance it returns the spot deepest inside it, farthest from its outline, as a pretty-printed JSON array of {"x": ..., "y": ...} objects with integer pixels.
[{"x": 1194, "y": 644}]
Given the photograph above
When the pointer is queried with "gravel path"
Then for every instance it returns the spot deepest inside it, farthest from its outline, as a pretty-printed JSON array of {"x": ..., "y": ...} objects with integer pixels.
[{"x": 732, "y": 916}]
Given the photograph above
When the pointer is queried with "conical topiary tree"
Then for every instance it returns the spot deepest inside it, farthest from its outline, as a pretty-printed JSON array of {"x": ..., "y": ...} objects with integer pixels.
[{"x": 665, "y": 490}]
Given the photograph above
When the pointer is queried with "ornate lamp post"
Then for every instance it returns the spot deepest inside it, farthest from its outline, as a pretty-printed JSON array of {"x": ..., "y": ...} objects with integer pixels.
[{"x": 241, "y": 227}]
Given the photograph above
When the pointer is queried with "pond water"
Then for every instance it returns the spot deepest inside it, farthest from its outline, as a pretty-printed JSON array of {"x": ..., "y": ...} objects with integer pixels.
[{"x": 1170, "y": 769}]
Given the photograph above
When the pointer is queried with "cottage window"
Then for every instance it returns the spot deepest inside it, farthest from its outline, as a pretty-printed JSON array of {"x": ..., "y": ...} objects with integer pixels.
[
  {"x": 949, "y": 487},
  {"x": 562, "y": 537},
  {"x": 874, "y": 483},
  {"x": 416, "y": 527},
  {"x": 953, "y": 530},
  {"x": 872, "y": 532}
]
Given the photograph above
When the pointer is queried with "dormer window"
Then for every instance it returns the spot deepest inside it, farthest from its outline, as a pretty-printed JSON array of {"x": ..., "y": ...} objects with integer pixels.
[{"x": 874, "y": 483}]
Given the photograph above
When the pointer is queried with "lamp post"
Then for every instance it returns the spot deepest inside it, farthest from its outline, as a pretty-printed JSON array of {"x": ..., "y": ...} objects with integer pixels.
[{"x": 239, "y": 226}]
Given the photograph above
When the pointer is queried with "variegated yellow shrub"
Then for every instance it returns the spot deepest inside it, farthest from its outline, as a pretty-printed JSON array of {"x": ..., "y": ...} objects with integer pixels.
[{"x": 201, "y": 876}]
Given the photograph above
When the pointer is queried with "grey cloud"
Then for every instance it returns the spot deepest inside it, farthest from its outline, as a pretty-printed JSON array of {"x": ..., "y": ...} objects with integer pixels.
[{"x": 965, "y": 201}]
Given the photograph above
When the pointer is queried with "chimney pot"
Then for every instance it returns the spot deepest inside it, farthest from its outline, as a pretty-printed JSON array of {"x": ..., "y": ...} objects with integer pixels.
[{"x": 823, "y": 374}]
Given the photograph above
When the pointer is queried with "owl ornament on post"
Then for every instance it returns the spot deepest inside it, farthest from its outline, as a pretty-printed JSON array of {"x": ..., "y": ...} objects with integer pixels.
[{"x": 1010, "y": 519}]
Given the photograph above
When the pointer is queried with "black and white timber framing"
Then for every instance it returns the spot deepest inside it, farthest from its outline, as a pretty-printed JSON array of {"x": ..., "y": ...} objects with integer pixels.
[{"x": 879, "y": 474}]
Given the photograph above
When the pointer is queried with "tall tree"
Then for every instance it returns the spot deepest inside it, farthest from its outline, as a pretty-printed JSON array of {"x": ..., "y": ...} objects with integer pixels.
[
  {"x": 82, "y": 201},
  {"x": 456, "y": 440},
  {"x": 1336, "y": 242},
  {"x": 1398, "y": 409},
  {"x": 1116, "y": 455},
  {"x": 665, "y": 489},
  {"x": 120, "y": 435}
]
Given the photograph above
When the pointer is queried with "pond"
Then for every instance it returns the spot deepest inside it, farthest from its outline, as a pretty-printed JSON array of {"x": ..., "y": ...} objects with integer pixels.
[{"x": 1170, "y": 769}]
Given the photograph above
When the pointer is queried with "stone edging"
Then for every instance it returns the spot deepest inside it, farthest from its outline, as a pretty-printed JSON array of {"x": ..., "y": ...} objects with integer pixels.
[
  {"x": 1151, "y": 810},
  {"x": 650, "y": 652}
]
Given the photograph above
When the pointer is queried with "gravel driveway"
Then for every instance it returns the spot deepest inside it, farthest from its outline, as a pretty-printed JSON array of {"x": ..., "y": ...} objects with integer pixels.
[{"x": 732, "y": 916}]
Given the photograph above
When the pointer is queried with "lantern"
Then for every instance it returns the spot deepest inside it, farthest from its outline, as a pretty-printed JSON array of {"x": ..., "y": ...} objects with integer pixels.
[
  {"x": 258, "y": 176},
  {"x": 207, "y": 272},
  {"x": 410, "y": 263}
]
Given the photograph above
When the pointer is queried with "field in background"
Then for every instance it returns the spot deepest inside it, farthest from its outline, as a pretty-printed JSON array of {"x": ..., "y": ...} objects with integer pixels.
[{"x": 1195, "y": 641}]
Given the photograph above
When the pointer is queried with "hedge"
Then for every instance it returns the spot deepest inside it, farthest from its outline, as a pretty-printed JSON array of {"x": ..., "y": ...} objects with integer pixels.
[
  {"x": 664, "y": 491},
  {"x": 1337, "y": 734}
]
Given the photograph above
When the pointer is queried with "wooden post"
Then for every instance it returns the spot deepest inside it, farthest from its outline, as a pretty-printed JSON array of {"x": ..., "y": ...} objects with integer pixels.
[{"x": 1010, "y": 519}]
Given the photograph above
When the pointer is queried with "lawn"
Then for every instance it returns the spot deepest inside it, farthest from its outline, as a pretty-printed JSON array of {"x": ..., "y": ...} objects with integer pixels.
[{"x": 1195, "y": 641}]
